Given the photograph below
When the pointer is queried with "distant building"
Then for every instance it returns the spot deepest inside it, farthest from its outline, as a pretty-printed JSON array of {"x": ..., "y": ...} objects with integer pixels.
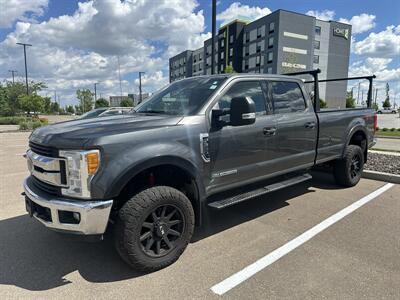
[
  {"x": 136, "y": 97},
  {"x": 281, "y": 42},
  {"x": 115, "y": 101}
]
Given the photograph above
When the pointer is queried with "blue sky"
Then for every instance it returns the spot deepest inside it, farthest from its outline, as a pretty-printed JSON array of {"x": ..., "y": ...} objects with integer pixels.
[{"x": 76, "y": 44}]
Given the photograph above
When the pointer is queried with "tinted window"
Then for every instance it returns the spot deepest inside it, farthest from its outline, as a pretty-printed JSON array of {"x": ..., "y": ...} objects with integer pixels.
[
  {"x": 287, "y": 97},
  {"x": 250, "y": 89}
]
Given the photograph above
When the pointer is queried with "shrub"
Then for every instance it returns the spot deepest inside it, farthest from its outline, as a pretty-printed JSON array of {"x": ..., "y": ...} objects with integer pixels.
[
  {"x": 392, "y": 129},
  {"x": 23, "y": 126},
  {"x": 384, "y": 129},
  {"x": 36, "y": 124},
  {"x": 44, "y": 121},
  {"x": 398, "y": 129},
  {"x": 12, "y": 120}
]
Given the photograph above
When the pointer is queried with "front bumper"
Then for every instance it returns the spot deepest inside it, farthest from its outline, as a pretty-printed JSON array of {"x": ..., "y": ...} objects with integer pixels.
[{"x": 53, "y": 212}]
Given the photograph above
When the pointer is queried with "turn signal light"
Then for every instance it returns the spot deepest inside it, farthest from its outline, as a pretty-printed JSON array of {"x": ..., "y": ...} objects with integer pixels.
[{"x": 93, "y": 162}]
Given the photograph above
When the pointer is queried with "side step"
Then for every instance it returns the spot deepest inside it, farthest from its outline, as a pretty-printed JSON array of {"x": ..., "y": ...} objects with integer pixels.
[{"x": 258, "y": 192}]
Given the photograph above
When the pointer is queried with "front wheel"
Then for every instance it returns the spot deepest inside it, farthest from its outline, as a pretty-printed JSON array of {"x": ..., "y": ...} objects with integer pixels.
[
  {"x": 348, "y": 170},
  {"x": 153, "y": 228}
]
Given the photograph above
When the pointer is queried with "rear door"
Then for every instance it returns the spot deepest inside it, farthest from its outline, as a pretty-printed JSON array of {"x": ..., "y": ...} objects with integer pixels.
[{"x": 296, "y": 126}]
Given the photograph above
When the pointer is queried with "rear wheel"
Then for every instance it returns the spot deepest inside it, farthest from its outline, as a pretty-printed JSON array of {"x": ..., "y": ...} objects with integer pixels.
[
  {"x": 348, "y": 170},
  {"x": 154, "y": 227}
]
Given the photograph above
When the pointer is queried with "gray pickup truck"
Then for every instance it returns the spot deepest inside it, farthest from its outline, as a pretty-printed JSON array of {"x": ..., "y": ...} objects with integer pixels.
[{"x": 201, "y": 143}]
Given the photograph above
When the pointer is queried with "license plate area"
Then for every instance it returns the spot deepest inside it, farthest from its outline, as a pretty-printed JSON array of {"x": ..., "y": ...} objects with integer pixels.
[{"x": 34, "y": 209}]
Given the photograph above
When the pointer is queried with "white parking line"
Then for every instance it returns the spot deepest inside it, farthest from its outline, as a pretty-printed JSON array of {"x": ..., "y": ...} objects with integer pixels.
[{"x": 237, "y": 278}]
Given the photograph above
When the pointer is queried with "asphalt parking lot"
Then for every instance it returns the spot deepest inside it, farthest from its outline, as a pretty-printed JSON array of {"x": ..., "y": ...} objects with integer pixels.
[{"x": 356, "y": 257}]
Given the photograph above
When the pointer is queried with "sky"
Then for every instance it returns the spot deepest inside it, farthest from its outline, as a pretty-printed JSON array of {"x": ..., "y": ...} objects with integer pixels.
[{"x": 77, "y": 43}]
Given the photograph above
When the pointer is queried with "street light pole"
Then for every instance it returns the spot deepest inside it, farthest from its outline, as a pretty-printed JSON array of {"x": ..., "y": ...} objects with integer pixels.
[
  {"x": 95, "y": 91},
  {"x": 26, "y": 67},
  {"x": 140, "y": 87},
  {"x": 13, "y": 72}
]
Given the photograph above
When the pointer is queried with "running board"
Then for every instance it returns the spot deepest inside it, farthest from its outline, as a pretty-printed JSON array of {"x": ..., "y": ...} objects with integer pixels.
[{"x": 258, "y": 192}]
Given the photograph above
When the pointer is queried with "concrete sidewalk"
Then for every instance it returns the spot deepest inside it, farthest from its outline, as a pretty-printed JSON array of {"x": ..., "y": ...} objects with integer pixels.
[{"x": 387, "y": 144}]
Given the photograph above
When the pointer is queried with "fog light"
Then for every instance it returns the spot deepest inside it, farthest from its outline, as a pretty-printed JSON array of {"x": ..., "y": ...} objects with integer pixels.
[{"x": 76, "y": 216}]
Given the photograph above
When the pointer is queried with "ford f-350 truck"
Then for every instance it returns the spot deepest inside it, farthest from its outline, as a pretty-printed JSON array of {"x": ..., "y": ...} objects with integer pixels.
[{"x": 200, "y": 143}]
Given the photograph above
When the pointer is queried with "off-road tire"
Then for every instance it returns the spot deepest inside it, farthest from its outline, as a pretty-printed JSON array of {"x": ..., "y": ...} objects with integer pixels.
[
  {"x": 343, "y": 167},
  {"x": 133, "y": 214}
]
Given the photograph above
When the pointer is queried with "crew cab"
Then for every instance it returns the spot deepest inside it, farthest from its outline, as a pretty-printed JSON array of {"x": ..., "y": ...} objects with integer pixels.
[{"x": 200, "y": 143}]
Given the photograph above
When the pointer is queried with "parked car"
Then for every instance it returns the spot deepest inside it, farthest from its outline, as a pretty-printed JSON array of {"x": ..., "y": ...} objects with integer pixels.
[
  {"x": 105, "y": 111},
  {"x": 201, "y": 143},
  {"x": 386, "y": 110}
]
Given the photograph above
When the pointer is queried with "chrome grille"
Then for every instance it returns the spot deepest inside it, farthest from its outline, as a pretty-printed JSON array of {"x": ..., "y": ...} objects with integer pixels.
[
  {"x": 43, "y": 150},
  {"x": 48, "y": 188}
]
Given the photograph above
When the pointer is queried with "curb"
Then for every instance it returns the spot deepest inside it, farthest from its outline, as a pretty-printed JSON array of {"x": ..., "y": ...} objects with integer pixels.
[
  {"x": 387, "y": 177},
  {"x": 387, "y": 137}
]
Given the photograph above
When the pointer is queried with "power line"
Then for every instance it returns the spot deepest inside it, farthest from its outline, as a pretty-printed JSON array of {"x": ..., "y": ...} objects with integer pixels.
[{"x": 26, "y": 67}]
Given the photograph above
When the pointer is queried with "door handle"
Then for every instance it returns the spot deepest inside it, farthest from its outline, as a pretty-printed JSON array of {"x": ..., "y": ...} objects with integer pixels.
[
  {"x": 269, "y": 131},
  {"x": 309, "y": 125}
]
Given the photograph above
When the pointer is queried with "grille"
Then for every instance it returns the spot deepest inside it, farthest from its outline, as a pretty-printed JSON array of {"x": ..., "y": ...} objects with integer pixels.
[
  {"x": 48, "y": 188},
  {"x": 43, "y": 150}
]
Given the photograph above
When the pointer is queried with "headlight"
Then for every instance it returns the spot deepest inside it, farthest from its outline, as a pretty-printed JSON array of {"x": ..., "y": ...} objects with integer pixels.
[{"x": 81, "y": 167}]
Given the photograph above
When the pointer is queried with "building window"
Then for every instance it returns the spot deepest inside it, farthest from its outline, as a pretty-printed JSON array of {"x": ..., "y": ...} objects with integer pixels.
[
  {"x": 270, "y": 57},
  {"x": 231, "y": 52},
  {"x": 317, "y": 44},
  {"x": 253, "y": 35},
  {"x": 271, "y": 27},
  {"x": 246, "y": 64},
  {"x": 258, "y": 32},
  {"x": 271, "y": 42},
  {"x": 222, "y": 68},
  {"x": 222, "y": 55},
  {"x": 222, "y": 43},
  {"x": 231, "y": 39},
  {"x": 246, "y": 50},
  {"x": 253, "y": 48},
  {"x": 208, "y": 50},
  {"x": 269, "y": 70},
  {"x": 316, "y": 59},
  {"x": 317, "y": 30},
  {"x": 200, "y": 56},
  {"x": 247, "y": 35}
]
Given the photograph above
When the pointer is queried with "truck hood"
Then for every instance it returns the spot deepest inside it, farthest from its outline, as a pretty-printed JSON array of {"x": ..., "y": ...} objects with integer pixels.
[{"x": 77, "y": 133}]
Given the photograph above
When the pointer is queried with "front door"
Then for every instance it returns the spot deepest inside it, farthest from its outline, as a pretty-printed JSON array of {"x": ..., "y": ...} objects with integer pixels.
[{"x": 237, "y": 153}]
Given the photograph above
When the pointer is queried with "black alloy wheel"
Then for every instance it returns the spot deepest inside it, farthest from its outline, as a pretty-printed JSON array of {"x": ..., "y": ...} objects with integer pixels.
[
  {"x": 355, "y": 166},
  {"x": 161, "y": 230}
]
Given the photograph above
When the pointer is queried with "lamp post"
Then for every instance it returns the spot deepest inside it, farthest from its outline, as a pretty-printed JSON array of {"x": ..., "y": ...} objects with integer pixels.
[
  {"x": 26, "y": 67},
  {"x": 140, "y": 87},
  {"x": 95, "y": 91},
  {"x": 213, "y": 25},
  {"x": 13, "y": 72}
]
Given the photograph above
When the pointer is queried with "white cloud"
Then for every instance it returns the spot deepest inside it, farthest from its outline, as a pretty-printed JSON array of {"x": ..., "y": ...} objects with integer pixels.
[
  {"x": 325, "y": 15},
  {"x": 382, "y": 44},
  {"x": 236, "y": 11},
  {"x": 360, "y": 23},
  {"x": 13, "y": 10},
  {"x": 74, "y": 51}
]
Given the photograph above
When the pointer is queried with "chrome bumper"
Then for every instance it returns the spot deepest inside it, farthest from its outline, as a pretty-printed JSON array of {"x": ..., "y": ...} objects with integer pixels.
[{"x": 94, "y": 215}]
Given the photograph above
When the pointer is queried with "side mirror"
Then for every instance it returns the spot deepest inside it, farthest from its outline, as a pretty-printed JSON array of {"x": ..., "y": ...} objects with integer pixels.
[{"x": 242, "y": 112}]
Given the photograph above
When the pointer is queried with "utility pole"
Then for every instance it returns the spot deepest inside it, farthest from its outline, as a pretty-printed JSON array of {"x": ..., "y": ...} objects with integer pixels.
[
  {"x": 13, "y": 72},
  {"x": 119, "y": 76},
  {"x": 362, "y": 96},
  {"x": 376, "y": 94},
  {"x": 95, "y": 91},
  {"x": 26, "y": 67},
  {"x": 358, "y": 93},
  {"x": 140, "y": 87},
  {"x": 213, "y": 25}
]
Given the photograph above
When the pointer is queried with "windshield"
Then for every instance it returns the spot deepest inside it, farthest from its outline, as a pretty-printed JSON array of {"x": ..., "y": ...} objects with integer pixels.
[
  {"x": 93, "y": 113},
  {"x": 184, "y": 97}
]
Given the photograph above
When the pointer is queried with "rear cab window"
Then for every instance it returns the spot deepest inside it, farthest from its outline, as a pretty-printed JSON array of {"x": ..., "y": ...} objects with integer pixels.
[{"x": 287, "y": 97}]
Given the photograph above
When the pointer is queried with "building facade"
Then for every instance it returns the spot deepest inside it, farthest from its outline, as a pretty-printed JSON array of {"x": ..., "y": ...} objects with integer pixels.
[{"x": 281, "y": 42}]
